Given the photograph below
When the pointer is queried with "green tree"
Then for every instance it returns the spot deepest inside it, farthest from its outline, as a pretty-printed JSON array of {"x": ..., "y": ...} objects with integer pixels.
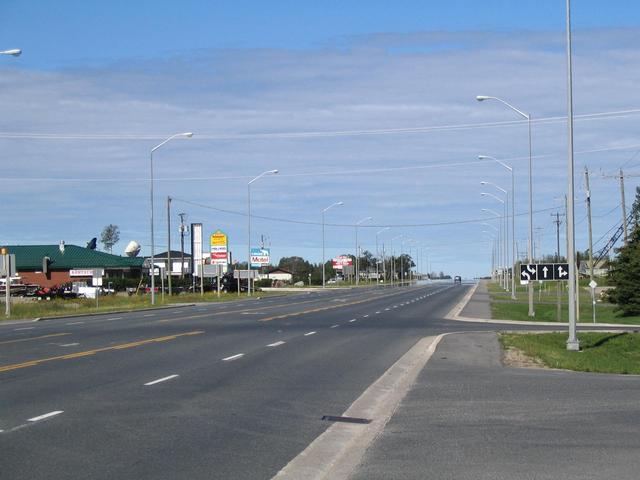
[
  {"x": 625, "y": 272},
  {"x": 110, "y": 236}
]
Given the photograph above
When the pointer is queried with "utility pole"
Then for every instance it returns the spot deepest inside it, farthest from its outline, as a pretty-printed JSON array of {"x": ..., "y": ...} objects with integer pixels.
[
  {"x": 183, "y": 230},
  {"x": 593, "y": 297},
  {"x": 557, "y": 221},
  {"x": 624, "y": 207},
  {"x": 169, "y": 243}
]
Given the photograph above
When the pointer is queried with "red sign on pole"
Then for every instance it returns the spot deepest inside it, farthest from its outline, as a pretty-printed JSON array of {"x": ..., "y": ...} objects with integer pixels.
[{"x": 339, "y": 262}]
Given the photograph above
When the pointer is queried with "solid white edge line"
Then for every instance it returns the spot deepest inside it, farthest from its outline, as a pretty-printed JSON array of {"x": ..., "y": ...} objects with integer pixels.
[
  {"x": 233, "y": 357},
  {"x": 309, "y": 333},
  {"x": 23, "y": 328},
  {"x": 276, "y": 344},
  {"x": 164, "y": 379},
  {"x": 46, "y": 415}
]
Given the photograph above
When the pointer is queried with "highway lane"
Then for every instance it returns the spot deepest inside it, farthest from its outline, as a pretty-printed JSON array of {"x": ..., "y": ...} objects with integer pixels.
[
  {"x": 243, "y": 417},
  {"x": 193, "y": 393}
]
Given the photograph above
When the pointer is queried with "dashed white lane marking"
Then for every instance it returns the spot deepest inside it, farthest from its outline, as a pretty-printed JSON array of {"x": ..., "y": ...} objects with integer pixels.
[
  {"x": 113, "y": 318},
  {"x": 46, "y": 415},
  {"x": 334, "y": 326},
  {"x": 352, "y": 320},
  {"x": 23, "y": 328},
  {"x": 377, "y": 312},
  {"x": 233, "y": 357},
  {"x": 276, "y": 344},
  {"x": 365, "y": 316},
  {"x": 386, "y": 309},
  {"x": 69, "y": 344},
  {"x": 309, "y": 333},
  {"x": 149, "y": 315},
  {"x": 75, "y": 323},
  {"x": 163, "y": 379}
]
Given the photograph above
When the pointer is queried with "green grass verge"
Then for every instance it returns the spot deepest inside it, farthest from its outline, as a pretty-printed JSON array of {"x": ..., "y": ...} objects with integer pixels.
[
  {"x": 59, "y": 307},
  {"x": 503, "y": 308},
  {"x": 600, "y": 352}
]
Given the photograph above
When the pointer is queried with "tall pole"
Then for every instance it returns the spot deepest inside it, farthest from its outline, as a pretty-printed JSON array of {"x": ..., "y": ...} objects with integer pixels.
[
  {"x": 153, "y": 248},
  {"x": 593, "y": 298},
  {"x": 527, "y": 116},
  {"x": 337, "y": 204},
  {"x": 268, "y": 172},
  {"x": 169, "y": 243},
  {"x": 624, "y": 207},
  {"x": 572, "y": 342},
  {"x": 249, "y": 239},
  {"x": 558, "y": 305},
  {"x": 357, "y": 254},
  {"x": 183, "y": 230}
]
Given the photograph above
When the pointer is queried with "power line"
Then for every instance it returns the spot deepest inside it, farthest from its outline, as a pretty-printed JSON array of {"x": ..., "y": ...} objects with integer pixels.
[
  {"x": 349, "y": 225},
  {"x": 317, "y": 134}
]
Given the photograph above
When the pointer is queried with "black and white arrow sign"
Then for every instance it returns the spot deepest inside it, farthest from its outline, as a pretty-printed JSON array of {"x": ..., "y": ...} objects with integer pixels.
[
  {"x": 545, "y": 271},
  {"x": 561, "y": 271}
]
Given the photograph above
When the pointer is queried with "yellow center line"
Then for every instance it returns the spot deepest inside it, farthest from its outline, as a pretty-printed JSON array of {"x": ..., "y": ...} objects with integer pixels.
[
  {"x": 34, "y": 338},
  {"x": 69, "y": 356},
  {"x": 258, "y": 309},
  {"x": 314, "y": 310}
]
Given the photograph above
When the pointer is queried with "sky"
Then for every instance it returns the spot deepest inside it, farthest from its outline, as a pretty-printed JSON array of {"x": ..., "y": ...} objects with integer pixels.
[{"x": 369, "y": 103}]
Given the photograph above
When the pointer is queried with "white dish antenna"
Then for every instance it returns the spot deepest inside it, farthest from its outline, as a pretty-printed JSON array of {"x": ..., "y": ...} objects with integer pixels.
[{"x": 132, "y": 249}]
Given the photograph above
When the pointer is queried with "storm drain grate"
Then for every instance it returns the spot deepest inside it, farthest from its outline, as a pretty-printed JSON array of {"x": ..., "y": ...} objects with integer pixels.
[{"x": 331, "y": 418}]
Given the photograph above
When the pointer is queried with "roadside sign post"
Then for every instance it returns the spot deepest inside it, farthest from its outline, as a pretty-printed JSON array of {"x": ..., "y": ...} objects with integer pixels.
[
  {"x": 593, "y": 286},
  {"x": 8, "y": 267}
]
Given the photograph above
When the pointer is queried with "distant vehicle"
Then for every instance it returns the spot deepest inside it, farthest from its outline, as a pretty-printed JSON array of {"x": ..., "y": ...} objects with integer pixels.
[
  {"x": 229, "y": 284},
  {"x": 457, "y": 279}
]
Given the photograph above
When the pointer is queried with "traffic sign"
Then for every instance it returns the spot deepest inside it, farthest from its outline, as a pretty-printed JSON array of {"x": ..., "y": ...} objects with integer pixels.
[
  {"x": 561, "y": 271},
  {"x": 593, "y": 284},
  {"x": 528, "y": 273},
  {"x": 543, "y": 272}
]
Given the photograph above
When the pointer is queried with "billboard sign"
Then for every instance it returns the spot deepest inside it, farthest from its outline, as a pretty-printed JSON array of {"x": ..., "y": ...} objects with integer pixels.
[
  {"x": 260, "y": 257},
  {"x": 340, "y": 262},
  {"x": 219, "y": 244},
  {"x": 196, "y": 245}
]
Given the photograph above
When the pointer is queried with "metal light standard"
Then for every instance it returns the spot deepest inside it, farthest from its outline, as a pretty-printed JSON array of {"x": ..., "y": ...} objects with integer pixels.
[
  {"x": 323, "y": 260},
  {"x": 268, "y": 172},
  {"x": 500, "y": 239},
  {"x": 358, "y": 223},
  {"x": 14, "y": 53},
  {"x": 493, "y": 253},
  {"x": 393, "y": 259},
  {"x": 572, "y": 342},
  {"x": 513, "y": 222},
  {"x": 506, "y": 226},
  {"x": 481, "y": 98},
  {"x": 378, "y": 254},
  {"x": 153, "y": 252}
]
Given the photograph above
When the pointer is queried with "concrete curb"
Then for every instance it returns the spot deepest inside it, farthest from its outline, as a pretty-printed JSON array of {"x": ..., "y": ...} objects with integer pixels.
[
  {"x": 339, "y": 450},
  {"x": 454, "y": 315}
]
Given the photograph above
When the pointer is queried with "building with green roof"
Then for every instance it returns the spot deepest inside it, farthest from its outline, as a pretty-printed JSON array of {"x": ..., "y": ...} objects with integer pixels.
[{"x": 49, "y": 265}]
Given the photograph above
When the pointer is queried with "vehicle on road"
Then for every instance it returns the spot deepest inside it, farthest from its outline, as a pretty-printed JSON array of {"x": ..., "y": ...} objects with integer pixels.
[{"x": 457, "y": 279}]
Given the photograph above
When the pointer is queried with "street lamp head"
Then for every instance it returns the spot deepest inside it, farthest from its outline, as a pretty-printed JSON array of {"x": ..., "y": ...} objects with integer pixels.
[
  {"x": 481, "y": 98},
  {"x": 187, "y": 134},
  {"x": 340, "y": 203},
  {"x": 483, "y": 183},
  {"x": 15, "y": 52},
  {"x": 272, "y": 172}
]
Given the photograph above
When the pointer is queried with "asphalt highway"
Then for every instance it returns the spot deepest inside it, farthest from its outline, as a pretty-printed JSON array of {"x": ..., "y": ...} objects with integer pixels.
[{"x": 233, "y": 390}]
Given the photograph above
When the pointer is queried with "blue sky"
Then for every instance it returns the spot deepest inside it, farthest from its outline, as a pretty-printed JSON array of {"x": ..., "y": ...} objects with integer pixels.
[{"x": 100, "y": 83}]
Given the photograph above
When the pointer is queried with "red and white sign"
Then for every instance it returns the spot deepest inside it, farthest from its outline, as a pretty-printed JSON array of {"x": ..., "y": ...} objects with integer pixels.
[{"x": 341, "y": 261}]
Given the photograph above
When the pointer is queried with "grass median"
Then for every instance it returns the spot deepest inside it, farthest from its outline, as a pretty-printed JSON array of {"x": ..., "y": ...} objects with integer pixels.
[
  {"x": 599, "y": 352},
  {"x": 545, "y": 305},
  {"x": 84, "y": 306}
]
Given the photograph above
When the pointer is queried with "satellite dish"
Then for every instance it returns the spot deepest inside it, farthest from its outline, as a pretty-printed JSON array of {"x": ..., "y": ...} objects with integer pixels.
[
  {"x": 132, "y": 249},
  {"x": 91, "y": 244}
]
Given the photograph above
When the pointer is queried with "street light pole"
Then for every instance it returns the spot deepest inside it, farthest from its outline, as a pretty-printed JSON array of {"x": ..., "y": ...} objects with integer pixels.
[
  {"x": 268, "y": 172},
  {"x": 481, "y": 98},
  {"x": 378, "y": 253},
  {"x": 513, "y": 223},
  {"x": 14, "y": 52},
  {"x": 572, "y": 342},
  {"x": 500, "y": 253},
  {"x": 153, "y": 252},
  {"x": 506, "y": 227},
  {"x": 357, "y": 255},
  {"x": 323, "y": 260}
]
